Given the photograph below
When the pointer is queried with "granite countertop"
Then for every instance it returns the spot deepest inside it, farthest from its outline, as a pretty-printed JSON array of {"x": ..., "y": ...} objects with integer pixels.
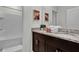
[{"x": 57, "y": 35}]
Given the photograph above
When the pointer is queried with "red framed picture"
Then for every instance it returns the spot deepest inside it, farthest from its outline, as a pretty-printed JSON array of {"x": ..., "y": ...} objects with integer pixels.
[
  {"x": 46, "y": 16},
  {"x": 36, "y": 15}
]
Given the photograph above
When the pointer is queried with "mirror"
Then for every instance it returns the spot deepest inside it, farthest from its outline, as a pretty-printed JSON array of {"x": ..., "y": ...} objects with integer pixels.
[
  {"x": 68, "y": 17},
  {"x": 73, "y": 18}
]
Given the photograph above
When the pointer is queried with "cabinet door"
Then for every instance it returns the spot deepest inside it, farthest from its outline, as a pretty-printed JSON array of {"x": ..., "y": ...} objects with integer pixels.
[
  {"x": 35, "y": 43},
  {"x": 50, "y": 45},
  {"x": 38, "y": 42},
  {"x": 50, "y": 48},
  {"x": 36, "y": 46},
  {"x": 41, "y": 45},
  {"x": 54, "y": 45}
]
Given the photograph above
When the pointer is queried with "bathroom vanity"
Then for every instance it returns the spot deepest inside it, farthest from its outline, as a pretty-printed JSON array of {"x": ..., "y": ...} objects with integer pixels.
[{"x": 53, "y": 42}]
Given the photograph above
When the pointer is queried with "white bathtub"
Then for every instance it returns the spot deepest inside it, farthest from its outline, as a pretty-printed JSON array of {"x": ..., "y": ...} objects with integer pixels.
[{"x": 10, "y": 42}]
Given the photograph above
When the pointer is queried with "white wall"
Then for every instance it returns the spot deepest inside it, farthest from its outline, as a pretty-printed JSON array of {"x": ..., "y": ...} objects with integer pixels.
[
  {"x": 12, "y": 10},
  {"x": 36, "y": 23},
  {"x": 42, "y": 18},
  {"x": 15, "y": 7},
  {"x": 29, "y": 23},
  {"x": 61, "y": 16},
  {"x": 11, "y": 22},
  {"x": 11, "y": 25},
  {"x": 48, "y": 9}
]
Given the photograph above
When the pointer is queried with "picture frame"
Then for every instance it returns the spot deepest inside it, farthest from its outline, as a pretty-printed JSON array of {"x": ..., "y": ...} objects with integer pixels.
[
  {"x": 46, "y": 17},
  {"x": 36, "y": 15}
]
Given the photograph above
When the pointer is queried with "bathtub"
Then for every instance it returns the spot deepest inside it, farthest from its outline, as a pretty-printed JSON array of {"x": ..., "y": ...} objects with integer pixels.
[{"x": 11, "y": 43}]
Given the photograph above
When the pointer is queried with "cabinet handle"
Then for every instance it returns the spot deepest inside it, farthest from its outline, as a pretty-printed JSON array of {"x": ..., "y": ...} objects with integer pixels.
[
  {"x": 36, "y": 42},
  {"x": 56, "y": 50}
]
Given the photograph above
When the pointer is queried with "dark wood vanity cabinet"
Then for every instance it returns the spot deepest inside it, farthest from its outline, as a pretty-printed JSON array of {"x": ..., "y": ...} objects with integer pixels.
[{"x": 45, "y": 43}]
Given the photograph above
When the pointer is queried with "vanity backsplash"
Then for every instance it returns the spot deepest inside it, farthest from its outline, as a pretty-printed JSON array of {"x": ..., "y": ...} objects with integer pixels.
[{"x": 75, "y": 31}]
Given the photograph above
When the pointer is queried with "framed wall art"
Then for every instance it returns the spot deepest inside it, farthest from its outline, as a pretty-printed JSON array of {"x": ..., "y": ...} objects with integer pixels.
[
  {"x": 36, "y": 15},
  {"x": 46, "y": 16}
]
